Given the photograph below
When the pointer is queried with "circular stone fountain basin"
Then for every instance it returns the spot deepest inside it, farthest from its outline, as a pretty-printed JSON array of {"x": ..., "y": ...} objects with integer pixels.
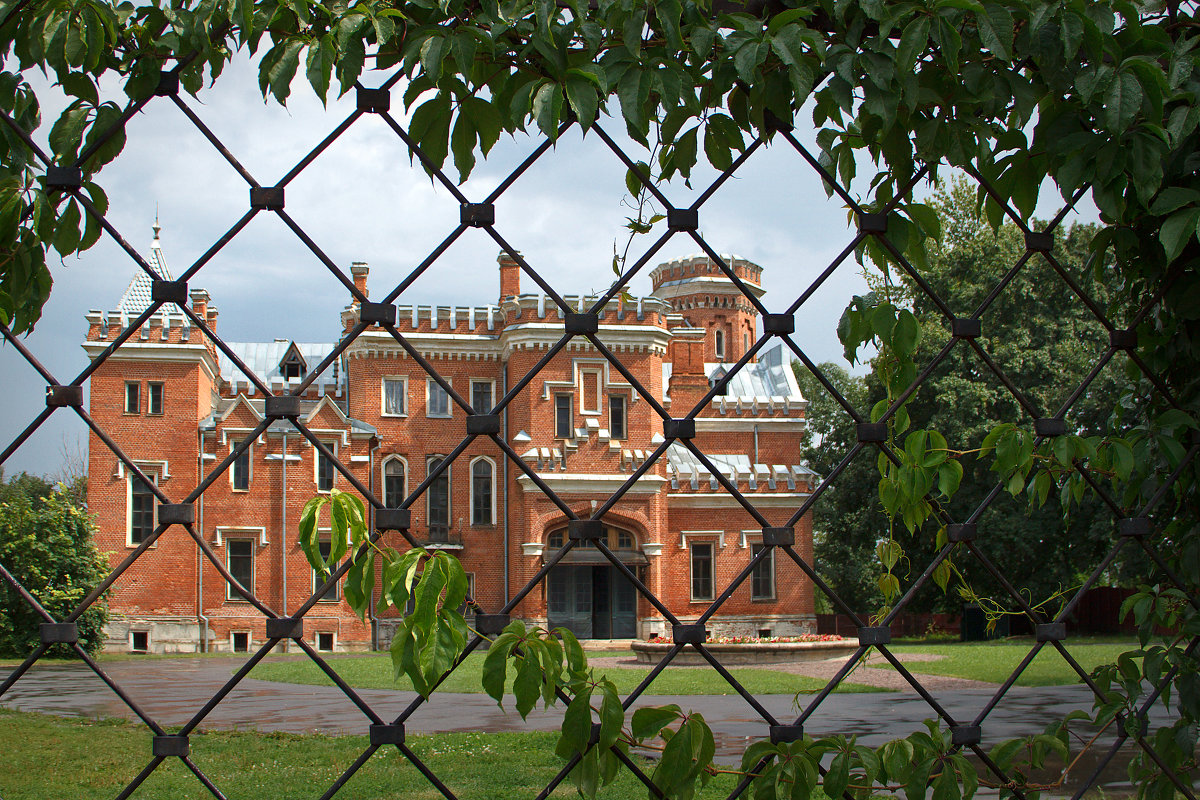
[{"x": 747, "y": 652}]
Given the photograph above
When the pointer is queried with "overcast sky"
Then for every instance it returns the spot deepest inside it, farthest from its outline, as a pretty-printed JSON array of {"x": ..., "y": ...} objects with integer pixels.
[{"x": 362, "y": 201}]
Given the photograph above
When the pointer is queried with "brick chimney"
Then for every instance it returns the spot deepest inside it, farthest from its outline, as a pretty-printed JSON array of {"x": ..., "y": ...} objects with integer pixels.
[
  {"x": 510, "y": 276},
  {"x": 358, "y": 271},
  {"x": 200, "y": 300}
]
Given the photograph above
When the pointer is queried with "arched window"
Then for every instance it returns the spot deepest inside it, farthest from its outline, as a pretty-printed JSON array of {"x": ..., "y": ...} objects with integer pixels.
[
  {"x": 556, "y": 539},
  {"x": 720, "y": 342},
  {"x": 395, "y": 488},
  {"x": 482, "y": 506},
  {"x": 438, "y": 502},
  {"x": 624, "y": 540}
]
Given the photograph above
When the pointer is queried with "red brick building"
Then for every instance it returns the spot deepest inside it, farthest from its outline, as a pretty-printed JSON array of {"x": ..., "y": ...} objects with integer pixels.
[{"x": 178, "y": 405}]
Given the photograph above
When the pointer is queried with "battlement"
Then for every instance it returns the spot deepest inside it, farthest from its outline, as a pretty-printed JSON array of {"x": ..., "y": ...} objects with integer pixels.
[
  {"x": 701, "y": 265},
  {"x": 492, "y": 319}
]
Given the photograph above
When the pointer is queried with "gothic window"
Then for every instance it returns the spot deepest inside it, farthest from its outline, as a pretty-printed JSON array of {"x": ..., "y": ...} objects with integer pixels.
[
  {"x": 482, "y": 472},
  {"x": 394, "y": 488}
]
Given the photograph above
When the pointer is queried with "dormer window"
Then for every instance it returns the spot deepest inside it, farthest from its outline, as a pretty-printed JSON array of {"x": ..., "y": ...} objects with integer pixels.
[
  {"x": 293, "y": 365},
  {"x": 716, "y": 378}
]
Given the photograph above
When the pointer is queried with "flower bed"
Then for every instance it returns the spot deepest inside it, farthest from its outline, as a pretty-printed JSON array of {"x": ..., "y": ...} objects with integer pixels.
[{"x": 731, "y": 650}]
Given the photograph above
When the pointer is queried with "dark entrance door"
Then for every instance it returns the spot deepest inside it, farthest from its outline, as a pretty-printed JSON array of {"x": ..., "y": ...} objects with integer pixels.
[{"x": 592, "y": 601}]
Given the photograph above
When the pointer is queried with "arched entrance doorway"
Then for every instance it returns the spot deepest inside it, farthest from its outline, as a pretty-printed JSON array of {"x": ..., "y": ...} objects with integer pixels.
[{"x": 586, "y": 594}]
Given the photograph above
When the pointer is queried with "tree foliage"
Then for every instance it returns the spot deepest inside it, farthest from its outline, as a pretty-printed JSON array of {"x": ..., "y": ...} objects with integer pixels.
[
  {"x": 1045, "y": 341},
  {"x": 46, "y": 544},
  {"x": 1099, "y": 97}
]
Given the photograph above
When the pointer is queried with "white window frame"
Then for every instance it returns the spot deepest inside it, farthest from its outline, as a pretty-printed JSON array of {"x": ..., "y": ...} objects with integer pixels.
[
  {"x": 154, "y": 477},
  {"x": 492, "y": 510},
  {"x": 230, "y": 594},
  {"x": 492, "y": 384},
  {"x": 448, "y": 475},
  {"x": 719, "y": 344},
  {"x": 337, "y": 586},
  {"x": 770, "y": 560},
  {"x": 383, "y": 477},
  {"x": 625, "y": 413},
  {"x": 430, "y": 386},
  {"x": 125, "y": 399},
  {"x": 249, "y": 468},
  {"x": 712, "y": 562},
  {"x": 162, "y": 401},
  {"x": 316, "y": 639},
  {"x": 598, "y": 409},
  {"x": 403, "y": 380},
  {"x": 149, "y": 642},
  {"x": 249, "y": 641},
  {"x": 570, "y": 411},
  {"x": 317, "y": 455}
]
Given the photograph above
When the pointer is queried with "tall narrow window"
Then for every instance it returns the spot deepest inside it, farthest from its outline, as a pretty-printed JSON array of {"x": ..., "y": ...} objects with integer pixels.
[
  {"x": 241, "y": 471},
  {"x": 762, "y": 580},
  {"x": 745, "y": 342},
  {"x": 141, "y": 510},
  {"x": 439, "y": 503},
  {"x": 395, "y": 391},
  {"x": 481, "y": 492},
  {"x": 393, "y": 483},
  {"x": 562, "y": 417},
  {"x": 720, "y": 344},
  {"x": 324, "y": 473},
  {"x": 320, "y": 575},
  {"x": 133, "y": 397},
  {"x": 438, "y": 404},
  {"x": 616, "y": 416},
  {"x": 481, "y": 397},
  {"x": 702, "y": 571},
  {"x": 241, "y": 566},
  {"x": 154, "y": 398}
]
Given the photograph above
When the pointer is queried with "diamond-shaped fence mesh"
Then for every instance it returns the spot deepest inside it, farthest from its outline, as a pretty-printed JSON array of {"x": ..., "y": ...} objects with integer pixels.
[{"x": 568, "y": 325}]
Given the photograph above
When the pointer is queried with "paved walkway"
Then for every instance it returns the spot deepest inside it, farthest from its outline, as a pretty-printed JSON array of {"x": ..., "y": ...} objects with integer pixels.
[{"x": 173, "y": 690}]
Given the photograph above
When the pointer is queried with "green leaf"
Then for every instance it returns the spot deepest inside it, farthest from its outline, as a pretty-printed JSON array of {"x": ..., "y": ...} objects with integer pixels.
[
  {"x": 527, "y": 684},
  {"x": 581, "y": 94},
  {"x": 1177, "y": 230},
  {"x": 647, "y": 722},
  {"x": 462, "y": 145},
  {"x": 495, "y": 666},
  {"x": 912, "y": 43},
  {"x": 308, "y": 528},
  {"x": 906, "y": 334},
  {"x": 1122, "y": 102},
  {"x": 996, "y": 29}
]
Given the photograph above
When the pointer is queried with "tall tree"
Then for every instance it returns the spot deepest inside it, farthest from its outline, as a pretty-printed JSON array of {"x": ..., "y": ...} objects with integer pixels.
[{"x": 1044, "y": 341}]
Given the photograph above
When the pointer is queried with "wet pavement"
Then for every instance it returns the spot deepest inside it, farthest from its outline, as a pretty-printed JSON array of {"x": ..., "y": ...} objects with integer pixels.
[{"x": 171, "y": 691}]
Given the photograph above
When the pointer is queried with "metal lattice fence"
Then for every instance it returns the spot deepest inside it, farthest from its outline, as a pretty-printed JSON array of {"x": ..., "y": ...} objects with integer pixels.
[{"x": 1135, "y": 526}]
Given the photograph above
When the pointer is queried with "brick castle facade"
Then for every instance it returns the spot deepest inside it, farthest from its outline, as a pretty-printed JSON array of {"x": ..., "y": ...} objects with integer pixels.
[{"x": 178, "y": 405}]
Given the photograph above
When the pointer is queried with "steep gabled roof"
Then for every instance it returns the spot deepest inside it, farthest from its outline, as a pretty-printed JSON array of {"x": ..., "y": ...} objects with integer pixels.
[{"x": 137, "y": 295}]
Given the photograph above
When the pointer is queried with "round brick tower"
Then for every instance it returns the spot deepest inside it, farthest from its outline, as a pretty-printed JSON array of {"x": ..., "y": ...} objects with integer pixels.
[{"x": 703, "y": 293}]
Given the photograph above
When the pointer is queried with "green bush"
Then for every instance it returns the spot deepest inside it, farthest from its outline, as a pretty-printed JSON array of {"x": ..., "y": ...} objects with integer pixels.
[{"x": 46, "y": 543}]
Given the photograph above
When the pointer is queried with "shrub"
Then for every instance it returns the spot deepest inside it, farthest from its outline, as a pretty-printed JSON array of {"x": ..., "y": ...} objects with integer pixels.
[{"x": 46, "y": 543}]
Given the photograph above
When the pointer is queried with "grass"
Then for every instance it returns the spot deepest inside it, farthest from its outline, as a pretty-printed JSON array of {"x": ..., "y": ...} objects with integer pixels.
[
  {"x": 994, "y": 662},
  {"x": 49, "y": 758},
  {"x": 375, "y": 672}
]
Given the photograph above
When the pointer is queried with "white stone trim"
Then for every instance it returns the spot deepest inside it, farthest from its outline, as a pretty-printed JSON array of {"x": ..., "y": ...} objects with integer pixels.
[
  {"x": 719, "y": 536},
  {"x": 223, "y": 532}
]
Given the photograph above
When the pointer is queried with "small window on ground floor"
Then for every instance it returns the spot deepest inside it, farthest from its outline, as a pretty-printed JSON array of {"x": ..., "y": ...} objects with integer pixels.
[
  {"x": 240, "y": 641},
  {"x": 139, "y": 641},
  {"x": 325, "y": 642}
]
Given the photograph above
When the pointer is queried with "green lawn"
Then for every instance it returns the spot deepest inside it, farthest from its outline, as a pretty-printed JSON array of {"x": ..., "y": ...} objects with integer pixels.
[
  {"x": 48, "y": 758},
  {"x": 994, "y": 661},
  {"x": 375, "y": 672}
]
